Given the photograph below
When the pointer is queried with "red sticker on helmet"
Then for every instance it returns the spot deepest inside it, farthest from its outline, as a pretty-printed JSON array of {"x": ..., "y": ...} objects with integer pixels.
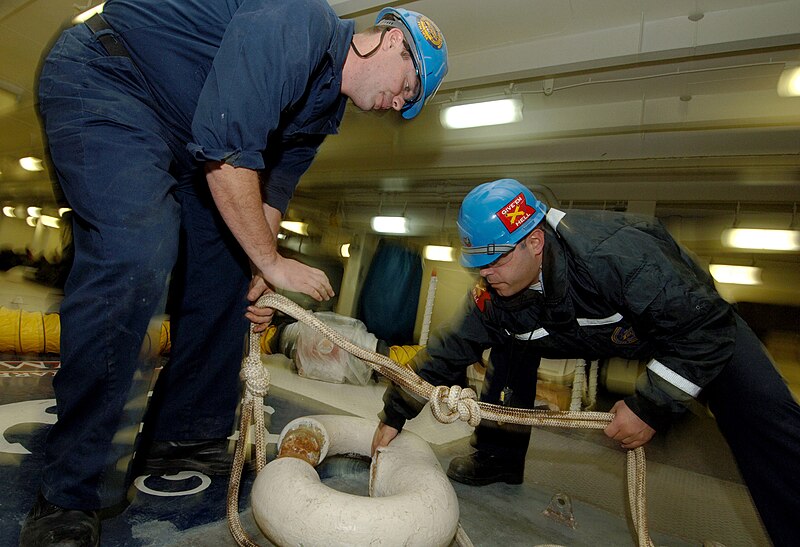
[{"x": 515, "y": 213}]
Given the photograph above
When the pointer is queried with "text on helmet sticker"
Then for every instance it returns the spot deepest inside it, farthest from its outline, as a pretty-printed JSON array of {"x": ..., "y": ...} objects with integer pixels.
[
  {"x": 430, "y": 32},
  {"x": 515, "y": 213}
]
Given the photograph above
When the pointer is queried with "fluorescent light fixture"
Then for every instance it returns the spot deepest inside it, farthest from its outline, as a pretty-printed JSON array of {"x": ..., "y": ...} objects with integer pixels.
[
  {"x": 390, "y": 225},
  {"x": 63, "y": 210},
  {"x": 494, "y": 112},
  {"x": 296, "y": 227},
  {"x": 34, "y": 212},
  {"x": 29, "y": 163},
  {"x": 50, "y": 222},
  {"x": 31, "y": 221},
  {"x": 81, "y": 17},
  {"x": 9, "y": 211},
  {"x": 771, "y": 240},
  {"x": 438, "y": 252},
  {"x": 281, "y": 236},
  {"x": 739, "y": 275},
  {"x": 789, "y": 82},
  {"x": 344, "y": 250}
]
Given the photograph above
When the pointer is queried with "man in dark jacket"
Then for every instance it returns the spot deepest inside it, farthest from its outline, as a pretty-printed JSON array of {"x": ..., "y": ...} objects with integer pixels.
[
  {"x": 593, "y": 284},
  {"x": 178, "y": 130}
]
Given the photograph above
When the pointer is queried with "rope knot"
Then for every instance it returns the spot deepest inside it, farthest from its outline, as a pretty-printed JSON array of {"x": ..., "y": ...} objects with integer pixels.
[
  {"x": 461, "y": 403},
  {"x": 255, "y": 376}
]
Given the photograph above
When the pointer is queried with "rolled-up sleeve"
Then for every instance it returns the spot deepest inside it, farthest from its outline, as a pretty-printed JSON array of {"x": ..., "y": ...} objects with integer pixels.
[
  {"x": 259, "y": 70},
  {"x": 283, "y": 169}
]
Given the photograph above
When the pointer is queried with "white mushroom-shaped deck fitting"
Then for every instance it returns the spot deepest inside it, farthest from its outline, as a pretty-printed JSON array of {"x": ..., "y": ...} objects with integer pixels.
[{"x": 411, "y": 500}]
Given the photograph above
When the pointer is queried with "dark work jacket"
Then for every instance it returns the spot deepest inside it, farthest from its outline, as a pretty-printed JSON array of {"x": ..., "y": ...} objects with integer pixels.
[{"x": 614, "y": 285}]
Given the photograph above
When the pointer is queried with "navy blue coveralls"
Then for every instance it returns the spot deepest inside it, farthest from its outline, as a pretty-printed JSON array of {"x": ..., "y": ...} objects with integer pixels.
[
  {"x": 615, "y": 284},
  {"x": 254, "y": 83}
]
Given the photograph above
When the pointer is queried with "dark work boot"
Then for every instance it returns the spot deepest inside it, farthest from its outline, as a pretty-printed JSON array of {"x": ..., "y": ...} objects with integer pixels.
[
  {"x": 481, "y": 468},
  {"x": 210, "y": 456},
  {"x": 51, "y": 525}
]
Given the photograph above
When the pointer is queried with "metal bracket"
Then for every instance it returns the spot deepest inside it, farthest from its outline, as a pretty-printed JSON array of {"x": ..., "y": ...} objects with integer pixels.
[{"x": 560, "y": 510}]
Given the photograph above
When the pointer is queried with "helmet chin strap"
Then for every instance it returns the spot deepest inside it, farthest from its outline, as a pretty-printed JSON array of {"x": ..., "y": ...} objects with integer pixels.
[{"x": 374, "y": 50}]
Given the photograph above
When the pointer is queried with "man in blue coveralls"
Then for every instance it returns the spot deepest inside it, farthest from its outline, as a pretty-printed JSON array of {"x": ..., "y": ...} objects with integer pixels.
[{"x": 179, "y": 130}]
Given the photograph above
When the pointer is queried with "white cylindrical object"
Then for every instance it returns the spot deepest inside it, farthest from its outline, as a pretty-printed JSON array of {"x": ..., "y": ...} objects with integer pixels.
[
  {"x": 592, "y": 391},
  {"x": 426, "y": 319},
  {"x": 578, "y": 384},
  {"x": 412, "y": 503}
]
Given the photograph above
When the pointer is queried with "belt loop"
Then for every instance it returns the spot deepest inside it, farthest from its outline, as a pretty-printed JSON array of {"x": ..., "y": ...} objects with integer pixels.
[{"x": 106, "y": 36}]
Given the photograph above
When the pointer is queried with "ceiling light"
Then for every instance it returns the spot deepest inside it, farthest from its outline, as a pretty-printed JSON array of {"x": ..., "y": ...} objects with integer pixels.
[
  {"x": 739, "y": 275},
  {"x": 344, "y": 250},
  {"x": 789, "y": 82},
  {"x": 31, "y": 221},
  {"x": 390, "y": 225},
  {"x": 478, "y": 114},
  {"x": 50, "y": 222},
  {"x": 772, "y": 240},
  {"x": 296, "y": 227},
  {"x": 29, "y": 163},
  {"x": 63, "y": 210},
  {"x": 81, "y": 17},
  {"x": 438, "y": 252},
  {"x": 9, "y": 211},
  {"x": 281, "y": 236},
  {"x": 34, "y": 212}
]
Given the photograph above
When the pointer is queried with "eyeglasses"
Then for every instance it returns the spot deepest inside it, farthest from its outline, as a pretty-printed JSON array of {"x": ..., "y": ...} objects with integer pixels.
[
  {"x": 500, "y": 261},
  {"x": 416, "y": 71},
  {"x": 504, "y": 259}
]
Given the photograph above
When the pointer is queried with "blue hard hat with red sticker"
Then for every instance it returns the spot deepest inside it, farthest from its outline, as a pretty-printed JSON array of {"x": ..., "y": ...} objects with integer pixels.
[
  {"x": 493, "y": 218},
  {"x": 428, "y": 50}
]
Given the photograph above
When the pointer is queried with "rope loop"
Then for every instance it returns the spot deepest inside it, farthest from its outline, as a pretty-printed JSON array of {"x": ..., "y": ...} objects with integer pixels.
[{"x": 461, "y": 405}]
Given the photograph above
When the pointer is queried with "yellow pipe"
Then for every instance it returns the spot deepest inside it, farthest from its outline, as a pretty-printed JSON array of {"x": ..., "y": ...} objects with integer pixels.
[{"x": 29, "y": 332}]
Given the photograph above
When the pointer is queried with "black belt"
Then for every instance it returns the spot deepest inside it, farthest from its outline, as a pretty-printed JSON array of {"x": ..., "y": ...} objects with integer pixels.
[{"x": 109, "y": 40}]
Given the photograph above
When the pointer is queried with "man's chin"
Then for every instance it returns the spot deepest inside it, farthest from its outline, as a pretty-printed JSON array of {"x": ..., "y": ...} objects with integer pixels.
[
  {"x": 502, "y": 290},
  {"x": 505, "y": 291}
]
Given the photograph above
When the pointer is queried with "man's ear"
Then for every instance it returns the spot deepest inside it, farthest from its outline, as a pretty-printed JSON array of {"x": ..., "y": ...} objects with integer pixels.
[
  {"x": 394, "y": 37},
  {"x": 536, "y": 240}
]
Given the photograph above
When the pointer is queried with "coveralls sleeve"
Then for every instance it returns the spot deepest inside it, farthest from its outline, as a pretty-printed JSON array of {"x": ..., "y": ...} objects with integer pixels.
[
  {"x": 284, "y": 168},
  {"x": 262, "y": 67},
  {"x": 672, "y": 304},
  {"x": 443, "y": 362}
]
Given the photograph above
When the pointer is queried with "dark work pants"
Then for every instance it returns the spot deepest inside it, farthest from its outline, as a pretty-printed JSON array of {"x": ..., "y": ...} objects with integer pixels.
[
  {"x": 137, "y": 211},
  {"x": 517, "y": 371},
  {"x": 761, "y": 422}
]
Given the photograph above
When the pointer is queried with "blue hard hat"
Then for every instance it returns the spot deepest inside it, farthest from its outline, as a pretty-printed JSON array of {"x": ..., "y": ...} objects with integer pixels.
[
  {"x": 493, "y": 218},
  {"x": 428, "y": 50}
]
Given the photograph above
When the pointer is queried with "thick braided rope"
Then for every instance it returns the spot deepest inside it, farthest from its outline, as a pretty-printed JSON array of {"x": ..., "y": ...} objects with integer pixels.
[
  {"x": 463, "y": 405},
  {"x": 256, "y": 378},
  {"x": 234, "y": 522},
  {"x": 459, "y": 404}
]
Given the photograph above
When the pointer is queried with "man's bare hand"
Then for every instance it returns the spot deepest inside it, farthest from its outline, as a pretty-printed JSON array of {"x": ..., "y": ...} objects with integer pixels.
[
  {"x": 261, "y": 317},
  {"x": 285, "y": 273},
  {"x": 627, "y": 428},
  {"x": 384, "y": 434}
]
